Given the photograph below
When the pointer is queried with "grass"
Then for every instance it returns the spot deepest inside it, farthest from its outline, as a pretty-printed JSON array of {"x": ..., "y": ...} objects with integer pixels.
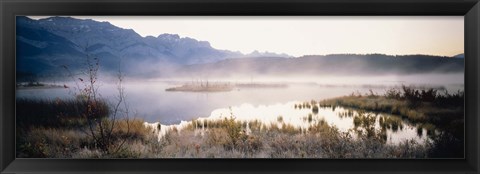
[
  {"x": 52, "y": 129},
  {"x": 284, "y": 141},
  {"x": 225, "y": 138},
  {"x": 427, "y": 108},
  {"x": 55, "y": 129},
  {"x": 376, "y": 104},
  {"x": 417, "y": 106},
  {"x": 54, "y": 113},
  {"x": 393, "y": 123}
]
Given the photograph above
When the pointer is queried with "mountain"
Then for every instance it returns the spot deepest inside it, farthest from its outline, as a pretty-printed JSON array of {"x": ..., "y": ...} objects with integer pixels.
[
  {"x": 266, "y": 54},
  {"x": 45, "y": 45},
  {"x": 462, "y": 56},
  {"x": 338, "y": 64}
]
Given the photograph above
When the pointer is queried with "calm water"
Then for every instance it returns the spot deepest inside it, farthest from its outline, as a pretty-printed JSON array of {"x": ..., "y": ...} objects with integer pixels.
[
  {"x": 150, "y": 101},
  {"x": 303, "y": 118}
]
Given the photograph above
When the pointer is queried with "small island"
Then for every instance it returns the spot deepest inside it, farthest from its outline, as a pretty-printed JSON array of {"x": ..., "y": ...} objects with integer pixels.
[
  {"x": 201, "y": 87},
  {"x": 222, "y": 87},
  {"x": 37, "y": 85},
  {"x": 261, "y": 85}
]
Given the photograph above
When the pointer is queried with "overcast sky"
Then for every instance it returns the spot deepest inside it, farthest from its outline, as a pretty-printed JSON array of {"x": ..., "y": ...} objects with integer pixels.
[{"x": 319, "y": 35}]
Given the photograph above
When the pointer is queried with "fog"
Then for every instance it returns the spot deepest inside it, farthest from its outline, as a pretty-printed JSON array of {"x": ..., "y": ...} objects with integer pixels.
[
  {"x": 431, "y": 79},
  {"x": 148, "y": 98}
]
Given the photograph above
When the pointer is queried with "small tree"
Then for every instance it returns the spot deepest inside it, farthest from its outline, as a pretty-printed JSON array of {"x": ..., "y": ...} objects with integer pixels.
[
  {"x": 101, "y": 121},
  {"x": 233, "y": 129}
]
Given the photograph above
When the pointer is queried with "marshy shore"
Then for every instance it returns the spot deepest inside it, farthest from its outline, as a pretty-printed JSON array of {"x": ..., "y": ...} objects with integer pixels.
[{"x": 57, "y": 129}]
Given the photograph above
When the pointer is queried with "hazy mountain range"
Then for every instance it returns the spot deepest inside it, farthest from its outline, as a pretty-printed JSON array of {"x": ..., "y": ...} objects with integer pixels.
[
  {"x": 340, "y": 64},
  {"x": 45, "y": 45},
  {"x": 460, "y": 56}
]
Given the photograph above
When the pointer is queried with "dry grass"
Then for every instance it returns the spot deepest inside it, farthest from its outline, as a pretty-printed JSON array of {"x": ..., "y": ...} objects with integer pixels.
[
  {"x": 426, "y": 112},
  {"x": 426, "y": 107},
  {"x": 284, "y": 141},
  {"x": 51, "y": 142},
  {"x": 55, "y": 113},
  {"x": 228, "y": 138},
  {"x": 130, "y": 128},
  {"x": 55, "y": 129}
]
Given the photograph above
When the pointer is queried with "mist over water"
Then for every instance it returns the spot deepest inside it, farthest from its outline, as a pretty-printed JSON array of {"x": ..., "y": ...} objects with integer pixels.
[
  {"x": 79, "y": 78},
  {"x": 149, "y": 100}
]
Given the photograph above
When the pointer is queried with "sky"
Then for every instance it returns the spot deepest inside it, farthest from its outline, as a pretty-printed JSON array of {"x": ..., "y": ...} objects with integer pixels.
[{"x": 308, "y": 35}]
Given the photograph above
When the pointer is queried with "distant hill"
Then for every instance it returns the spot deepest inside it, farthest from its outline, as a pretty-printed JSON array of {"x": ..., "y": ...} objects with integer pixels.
[
  {"x": 460, "y": 56},
  {"x": 340, "y": 64}
]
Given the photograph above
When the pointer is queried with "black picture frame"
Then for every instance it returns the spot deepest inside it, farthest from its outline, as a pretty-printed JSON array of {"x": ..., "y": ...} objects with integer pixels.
[{"x": 470, "y": 9}]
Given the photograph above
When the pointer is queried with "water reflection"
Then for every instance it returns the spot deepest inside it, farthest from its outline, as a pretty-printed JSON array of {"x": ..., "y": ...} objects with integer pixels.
[
  {"x": 151, "y": 102},
  {"x": 279, "y": 106},
  {"x": 394, "y": 129}
]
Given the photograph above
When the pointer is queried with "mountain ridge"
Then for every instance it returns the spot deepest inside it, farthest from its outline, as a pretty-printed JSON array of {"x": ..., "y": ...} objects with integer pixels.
[
  {"x": 44, "y": 46},
  {"x": 54, "y": 36},
  {"x": 335, "y": 64}
]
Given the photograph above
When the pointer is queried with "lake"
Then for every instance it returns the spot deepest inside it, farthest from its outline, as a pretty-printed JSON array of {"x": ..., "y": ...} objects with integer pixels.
[{"x": 149, "y": 100}]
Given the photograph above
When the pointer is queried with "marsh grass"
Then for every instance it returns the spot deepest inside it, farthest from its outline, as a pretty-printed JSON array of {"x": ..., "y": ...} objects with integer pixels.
[
  {"x": 429, "y": 109},
  {"x": 48, "y": 135},
  {"x": 54, "y": 129},
  {"x": 224, "y": 138},
  {"x": 47, "y": 142},
  {"x": 320, "y": 140},
  {"x": 55, "y": 113},
  {"x": 394, "y": 123},
  {"x": 417, "y": 106}
]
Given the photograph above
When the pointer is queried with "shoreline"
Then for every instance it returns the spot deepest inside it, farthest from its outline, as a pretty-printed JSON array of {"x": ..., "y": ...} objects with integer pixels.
[
  {"x": 39, "y": 87},
  {"x": 255, "y": 134}
]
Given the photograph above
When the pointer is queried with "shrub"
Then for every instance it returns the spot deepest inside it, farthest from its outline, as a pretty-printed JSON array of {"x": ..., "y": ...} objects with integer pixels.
[
  {"x": 280, "y": 119},
  {"x": 393, "y": 94},
  {"x": 315, "y": 109},
  {"x": 234, "y": 130},
  {"x": 428, "y": 95},
  {"x": 357, "y": 121},
  {"x": 310, "y": 118},
  {"x": 450, "y": 100}
]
